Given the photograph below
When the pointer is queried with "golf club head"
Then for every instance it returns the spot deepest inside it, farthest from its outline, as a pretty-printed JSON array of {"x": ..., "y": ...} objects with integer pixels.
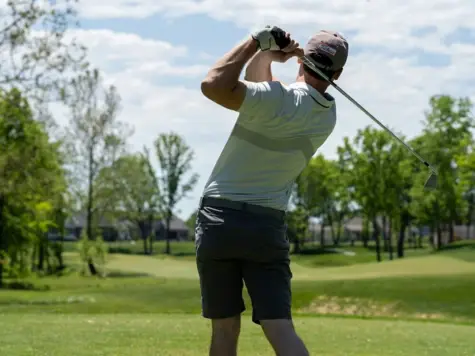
[{"x": 431, "y": 182}]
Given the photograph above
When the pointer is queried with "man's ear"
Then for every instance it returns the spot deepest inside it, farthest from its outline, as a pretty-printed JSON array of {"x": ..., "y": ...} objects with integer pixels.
[{"x": 337, "y": 74}]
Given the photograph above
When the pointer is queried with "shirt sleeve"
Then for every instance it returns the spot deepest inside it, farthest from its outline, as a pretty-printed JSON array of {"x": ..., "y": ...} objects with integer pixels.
[{"x": 262, "y": 99}]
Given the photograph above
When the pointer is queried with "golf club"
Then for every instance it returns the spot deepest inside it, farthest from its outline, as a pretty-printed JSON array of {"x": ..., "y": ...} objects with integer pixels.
[{"x": 431, "y": 182}]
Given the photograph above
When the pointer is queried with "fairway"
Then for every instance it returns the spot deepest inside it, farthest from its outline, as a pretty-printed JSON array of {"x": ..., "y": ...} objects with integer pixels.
[
  {"x": 176, "y": 335},
  {"x": 422, "y": 266},
  {"x": 150, "y": 305}
]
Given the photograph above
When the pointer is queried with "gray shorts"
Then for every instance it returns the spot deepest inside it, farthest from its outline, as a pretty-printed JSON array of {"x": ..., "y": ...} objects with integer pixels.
[{"x": 242, "y": 244}]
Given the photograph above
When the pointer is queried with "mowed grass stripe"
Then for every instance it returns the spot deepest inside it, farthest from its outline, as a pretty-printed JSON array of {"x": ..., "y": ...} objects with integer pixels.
[
  {"x": 445, "y": 298},
  {"x": 417, "y": 266},
  {"x": 167, "y": 335}
]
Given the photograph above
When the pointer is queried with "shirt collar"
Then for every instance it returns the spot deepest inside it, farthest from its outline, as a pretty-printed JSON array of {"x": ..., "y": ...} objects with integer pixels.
[{"x": 325, "y": 100}]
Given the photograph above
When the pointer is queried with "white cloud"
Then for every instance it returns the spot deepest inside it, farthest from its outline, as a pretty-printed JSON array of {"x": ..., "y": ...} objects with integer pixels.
[
  {"x": 394, "y": 88},
  {"x": 379, "y": 22},
  {"x": 133, "y": 64}
]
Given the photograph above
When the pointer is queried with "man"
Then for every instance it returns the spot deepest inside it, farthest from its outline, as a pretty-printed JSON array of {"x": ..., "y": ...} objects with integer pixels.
[{"x": 241, "y": 231}]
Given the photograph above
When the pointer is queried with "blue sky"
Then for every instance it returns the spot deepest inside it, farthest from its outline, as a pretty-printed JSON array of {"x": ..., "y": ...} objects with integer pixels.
[{"x": 157, "y": 52}]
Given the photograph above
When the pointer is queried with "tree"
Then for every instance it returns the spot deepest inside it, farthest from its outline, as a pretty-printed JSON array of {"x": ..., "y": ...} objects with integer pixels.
[
  {"x": 31, "y": 180},
  {"x": 191, "y": 222},
  {"x": 297, "y": 227},
  {"x": 134, "y": 193},
  {"x": 397, "y": 176},
  {"x": 174, "y": 157},
  {"x": 38, "y": 57},
  {"x": 447, "y": 135},
  {"x": 97, "y": 140},
  {"x": 466, "y": 163},
  {"x": 368, "y": 157},
  {"x": 316, "y": 192}
]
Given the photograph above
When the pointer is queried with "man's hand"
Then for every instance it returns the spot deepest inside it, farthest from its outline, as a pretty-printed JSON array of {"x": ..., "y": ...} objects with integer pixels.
[
  {"x": 259, "y": 69},
  {"x": 271, "y": 39},
  {"x": 282, "y": 56}
]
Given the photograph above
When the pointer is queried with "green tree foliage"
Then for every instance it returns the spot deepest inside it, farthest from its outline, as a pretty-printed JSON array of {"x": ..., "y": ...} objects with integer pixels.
[
  {"x": 191, "y": 223},
  {"x": 175, "y": 179},
  {"x": 96, "y": 140},
  {"x": 31, "y": 183},
  {"x": 317, "y": 192},
  {"x": 447, "y": 138},
  {"x": 297, "y": 227},
  {"x": 376, "y": 178},
  {"x": 131, "y": 186}
]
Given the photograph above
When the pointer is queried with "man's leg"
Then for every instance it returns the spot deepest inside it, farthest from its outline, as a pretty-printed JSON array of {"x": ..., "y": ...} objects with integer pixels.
[
  {"x": 283, "y": 338},
  {"x": 268, "y": 284},
  {"x": 220, "y": 278},
  {"x": 225, "y": 334},
  {"x": 221, "y": 297}
]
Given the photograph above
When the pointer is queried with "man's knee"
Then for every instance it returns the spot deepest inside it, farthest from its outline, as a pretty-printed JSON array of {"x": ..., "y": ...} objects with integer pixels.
[
  {"x": 283, "y": 337},
  {"x": 228, "y": 328}
]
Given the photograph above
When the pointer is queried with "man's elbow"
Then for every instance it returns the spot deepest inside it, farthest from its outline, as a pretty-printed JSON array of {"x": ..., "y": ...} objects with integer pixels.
[{"x": 209, "y": 88}]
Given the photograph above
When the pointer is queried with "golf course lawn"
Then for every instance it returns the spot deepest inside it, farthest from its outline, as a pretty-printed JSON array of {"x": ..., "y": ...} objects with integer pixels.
[
  {"x": 159, "y": 334},
  {"x": 150, "y": 305}
]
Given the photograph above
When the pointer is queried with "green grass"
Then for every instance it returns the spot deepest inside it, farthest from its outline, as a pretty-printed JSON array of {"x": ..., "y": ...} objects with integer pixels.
[
  {"x": 182, "y": 335},
  {"x": 150, "y": 305},
  {"x": 312, "y": 254},
  {"x": 179, "y": 249}
]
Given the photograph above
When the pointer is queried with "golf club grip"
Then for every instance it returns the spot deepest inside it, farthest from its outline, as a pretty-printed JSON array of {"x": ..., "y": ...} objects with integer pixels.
[{"x": 309, "y": 62}]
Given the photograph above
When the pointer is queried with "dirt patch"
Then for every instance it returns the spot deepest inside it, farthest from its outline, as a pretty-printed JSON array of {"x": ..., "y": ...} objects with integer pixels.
[{"x": 361, "y": 307}]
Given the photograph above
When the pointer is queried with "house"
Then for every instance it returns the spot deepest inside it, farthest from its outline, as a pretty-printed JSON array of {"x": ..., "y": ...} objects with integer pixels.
[
  {"x": 122, "y": 229},
  {"x": 462, "y": 232},
  {"x": 111, "y": 230},
  {"x": 352, "y": 229},
  {"x": 178, "y": 229}
]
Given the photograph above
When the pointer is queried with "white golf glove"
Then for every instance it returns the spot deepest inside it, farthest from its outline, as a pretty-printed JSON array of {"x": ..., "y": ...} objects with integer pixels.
[{"x": 271, "y": 38}]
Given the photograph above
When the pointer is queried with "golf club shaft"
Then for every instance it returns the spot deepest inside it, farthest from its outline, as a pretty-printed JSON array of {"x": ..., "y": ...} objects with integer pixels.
[{"x": 308, "y": 61}]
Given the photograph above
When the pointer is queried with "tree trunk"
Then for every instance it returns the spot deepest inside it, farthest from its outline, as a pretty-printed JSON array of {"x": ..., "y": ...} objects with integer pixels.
[
  {"x": 90, "y": 262},
  {"x": 61, "y": 250},
  {"x": 3, "y": 242},
  {"x": 390, "y": 240},
  {"x": 419, "y": 240},
  {"x": 143, "y": 236},
  {"x": 41, "y": 255},
  {"x": 34, "y": 255},
  {"x": 167, "y": 232},
  {"x": 338, "y": 232},
  {"x": 469, "y": 216},
  {"x": 151, "y": 233},
  {"x": 332, "y": 230},
  {"x": 322, "y": 235},
  {"x": 365, "y": 233},
  {"x": 376, "y": 235},
  {"x": 296, "y": 241},
  {"x": 439, "y": 235},
  {"x": 402, "y": 235},
  {"x": 385, "y": 234},
  {"x": 432, "y": 235},
  {"x": 451, "y": 232}
]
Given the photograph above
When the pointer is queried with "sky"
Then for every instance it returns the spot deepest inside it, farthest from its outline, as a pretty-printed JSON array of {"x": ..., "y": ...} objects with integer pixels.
[{"x": 157, "y": 52}]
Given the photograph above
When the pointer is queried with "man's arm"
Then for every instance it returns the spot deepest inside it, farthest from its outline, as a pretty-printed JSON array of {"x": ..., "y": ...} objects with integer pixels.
[
  {"x": 222, "y": 84},
  {"x": 259, "y": 68}
]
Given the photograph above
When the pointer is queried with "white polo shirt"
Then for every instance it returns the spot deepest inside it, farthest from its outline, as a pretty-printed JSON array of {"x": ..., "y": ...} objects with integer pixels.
[{"x": 278, "y": 130}]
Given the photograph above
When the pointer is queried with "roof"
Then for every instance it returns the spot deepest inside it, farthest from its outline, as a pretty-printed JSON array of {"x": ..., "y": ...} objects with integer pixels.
[
  {"x": 176, "y": 224},
  {"x": 79, "y": 220}
]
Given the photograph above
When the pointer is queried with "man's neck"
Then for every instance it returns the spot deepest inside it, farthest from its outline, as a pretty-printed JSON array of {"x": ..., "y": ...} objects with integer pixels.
[{"x": 319, "y": 86}]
